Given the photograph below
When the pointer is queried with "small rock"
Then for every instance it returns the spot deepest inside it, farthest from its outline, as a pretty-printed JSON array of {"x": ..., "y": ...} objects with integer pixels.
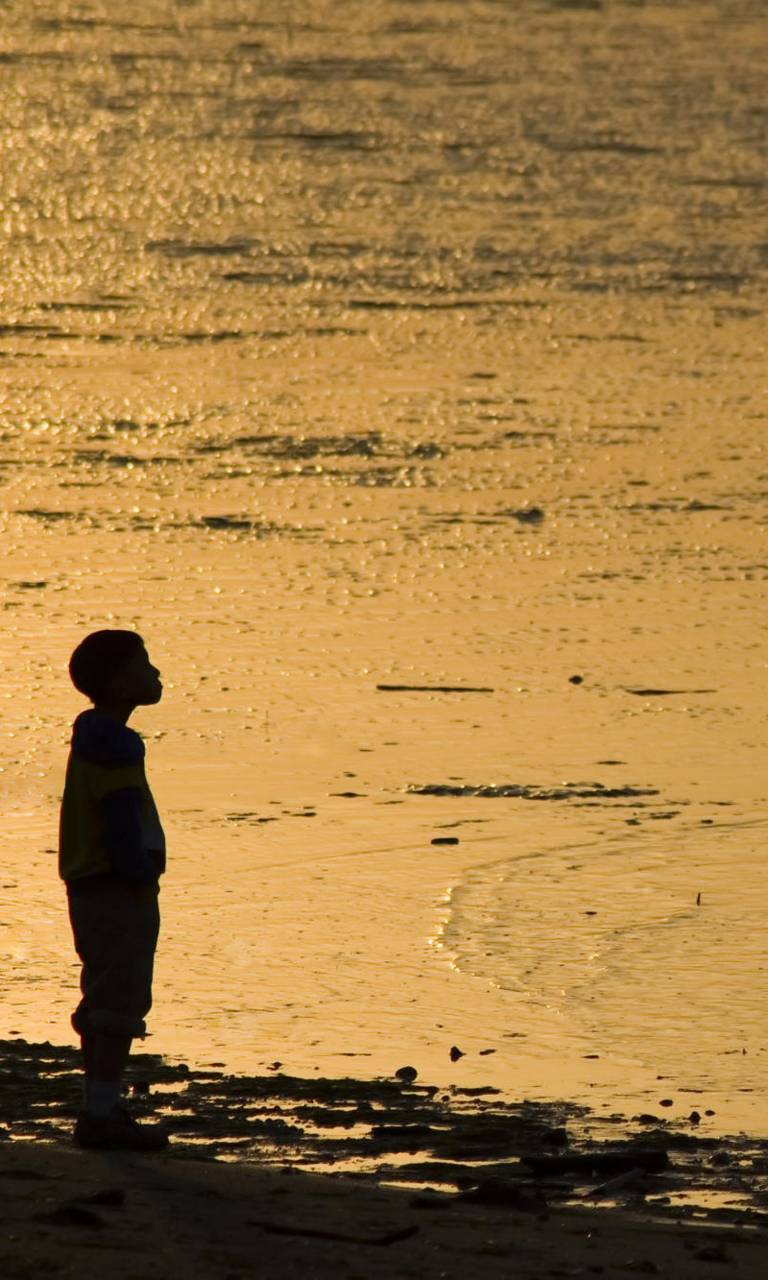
[
  {"x": 575, "y": 679},
  {"x": 406, "y": 1074},
  {"x": 694, "y": 1117},
  {"x": 455, "y": 1053},
  {"x": 444, "y": 840},
  {"x": 667, "y": 1102}
]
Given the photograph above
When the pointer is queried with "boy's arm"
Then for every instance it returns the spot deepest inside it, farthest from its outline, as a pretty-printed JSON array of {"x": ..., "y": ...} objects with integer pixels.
[{"x": 124, "y": 836}]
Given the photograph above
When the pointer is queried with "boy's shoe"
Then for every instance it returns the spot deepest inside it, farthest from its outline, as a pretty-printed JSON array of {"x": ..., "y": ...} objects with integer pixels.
[{"x": 118, "y": 1132}]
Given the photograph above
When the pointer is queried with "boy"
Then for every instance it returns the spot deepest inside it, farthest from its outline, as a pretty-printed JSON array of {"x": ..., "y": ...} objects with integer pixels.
[{"x": 111, "y": 855}]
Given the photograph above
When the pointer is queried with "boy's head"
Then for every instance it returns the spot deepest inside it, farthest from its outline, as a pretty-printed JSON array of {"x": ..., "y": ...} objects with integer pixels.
[{"x": 113, "y": 668}]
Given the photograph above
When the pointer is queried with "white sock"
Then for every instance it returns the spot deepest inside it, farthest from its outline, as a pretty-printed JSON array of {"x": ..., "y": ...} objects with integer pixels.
[{"x": 101, "y": 1096}]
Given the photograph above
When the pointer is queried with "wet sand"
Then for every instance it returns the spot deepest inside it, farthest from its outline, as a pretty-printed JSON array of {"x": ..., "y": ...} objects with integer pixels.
[
  {"x": 416, "y": 1181},
  {"x": 75, "y": 1214},
  {"x": 213, "y": 1222}
]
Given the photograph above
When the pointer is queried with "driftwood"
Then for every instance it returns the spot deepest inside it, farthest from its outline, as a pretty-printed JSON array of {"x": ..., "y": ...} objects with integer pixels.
[
  {"x": 622, "y": 1183},
  {"x": 649, "y": 1159},
  {"x": 316, "y": 1233}
]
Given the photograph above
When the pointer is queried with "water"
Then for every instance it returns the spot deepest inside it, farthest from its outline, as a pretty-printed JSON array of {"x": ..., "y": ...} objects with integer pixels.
[
  {"x": 635, "y": 946},
  {"x": 420, "y": 344}
]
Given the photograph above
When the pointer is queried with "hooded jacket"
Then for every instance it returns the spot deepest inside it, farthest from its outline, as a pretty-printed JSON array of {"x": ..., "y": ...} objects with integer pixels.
[{"x": 109, "y": 825}]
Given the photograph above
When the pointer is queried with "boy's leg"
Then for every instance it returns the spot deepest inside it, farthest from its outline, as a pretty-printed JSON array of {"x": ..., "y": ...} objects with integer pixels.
[
  {"x": 115, "y": 935},
  {"x": 104, "y": 1059}
]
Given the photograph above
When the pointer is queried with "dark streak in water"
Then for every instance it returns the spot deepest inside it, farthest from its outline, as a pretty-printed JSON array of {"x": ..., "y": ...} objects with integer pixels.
[
  {"x": 37, "y": 513},
  {"x": 460, "y": 304},
  {"x": 432, "y": 688},
  {"x": 286, "y": 446},
  {"x": 600, "y": 144},
  {"x": 666, "y": 693},
  {"x": 111, "y": 305},
  {"x": 569, "y": 791},
  {"x": 180, "y": 249},
  {"x": 267, "y": 277}
]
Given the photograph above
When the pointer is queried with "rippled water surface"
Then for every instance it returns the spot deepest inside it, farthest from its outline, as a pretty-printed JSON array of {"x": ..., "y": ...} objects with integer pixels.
[{"x": 422, "y": 345}]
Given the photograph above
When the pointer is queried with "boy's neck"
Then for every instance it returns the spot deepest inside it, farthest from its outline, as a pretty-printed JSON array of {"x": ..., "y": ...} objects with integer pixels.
[{"x": 121, "y": 711}]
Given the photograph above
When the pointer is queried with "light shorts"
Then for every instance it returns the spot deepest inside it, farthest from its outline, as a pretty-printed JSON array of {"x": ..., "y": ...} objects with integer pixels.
[{"x": 115, "y": 926}]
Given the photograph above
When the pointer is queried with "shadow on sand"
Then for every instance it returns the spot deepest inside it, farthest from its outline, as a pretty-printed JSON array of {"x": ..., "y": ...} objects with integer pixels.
[{"x": 441, "y": 1145}]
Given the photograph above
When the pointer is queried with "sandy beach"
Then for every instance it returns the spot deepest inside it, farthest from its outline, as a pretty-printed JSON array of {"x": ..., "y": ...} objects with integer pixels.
[
  {"x": 64, "y": 1214},
  {"x": 414, "y": 1182}
]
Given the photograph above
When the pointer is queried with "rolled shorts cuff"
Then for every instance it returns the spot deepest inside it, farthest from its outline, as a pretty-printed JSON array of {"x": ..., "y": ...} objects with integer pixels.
[{"x": 108, "y": 1023}]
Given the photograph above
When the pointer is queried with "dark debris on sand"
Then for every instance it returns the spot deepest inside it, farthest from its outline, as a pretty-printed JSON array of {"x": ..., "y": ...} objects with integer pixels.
[{"x": 398, "y": 1131}]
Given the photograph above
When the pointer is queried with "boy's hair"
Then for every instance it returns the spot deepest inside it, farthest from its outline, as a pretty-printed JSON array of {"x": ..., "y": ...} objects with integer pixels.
[{"x": 99, "y": 657}]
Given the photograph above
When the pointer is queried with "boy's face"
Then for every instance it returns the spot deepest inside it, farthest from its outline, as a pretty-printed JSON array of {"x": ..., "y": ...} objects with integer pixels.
[{"x": 138, "y": 682}]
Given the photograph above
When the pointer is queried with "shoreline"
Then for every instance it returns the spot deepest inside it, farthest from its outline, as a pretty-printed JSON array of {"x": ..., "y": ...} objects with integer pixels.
[{"x": 416, "y": 1181}]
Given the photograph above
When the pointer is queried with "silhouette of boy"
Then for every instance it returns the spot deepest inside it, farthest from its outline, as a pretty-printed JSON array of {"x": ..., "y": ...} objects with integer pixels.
[{"x": 111, "y": 855}]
